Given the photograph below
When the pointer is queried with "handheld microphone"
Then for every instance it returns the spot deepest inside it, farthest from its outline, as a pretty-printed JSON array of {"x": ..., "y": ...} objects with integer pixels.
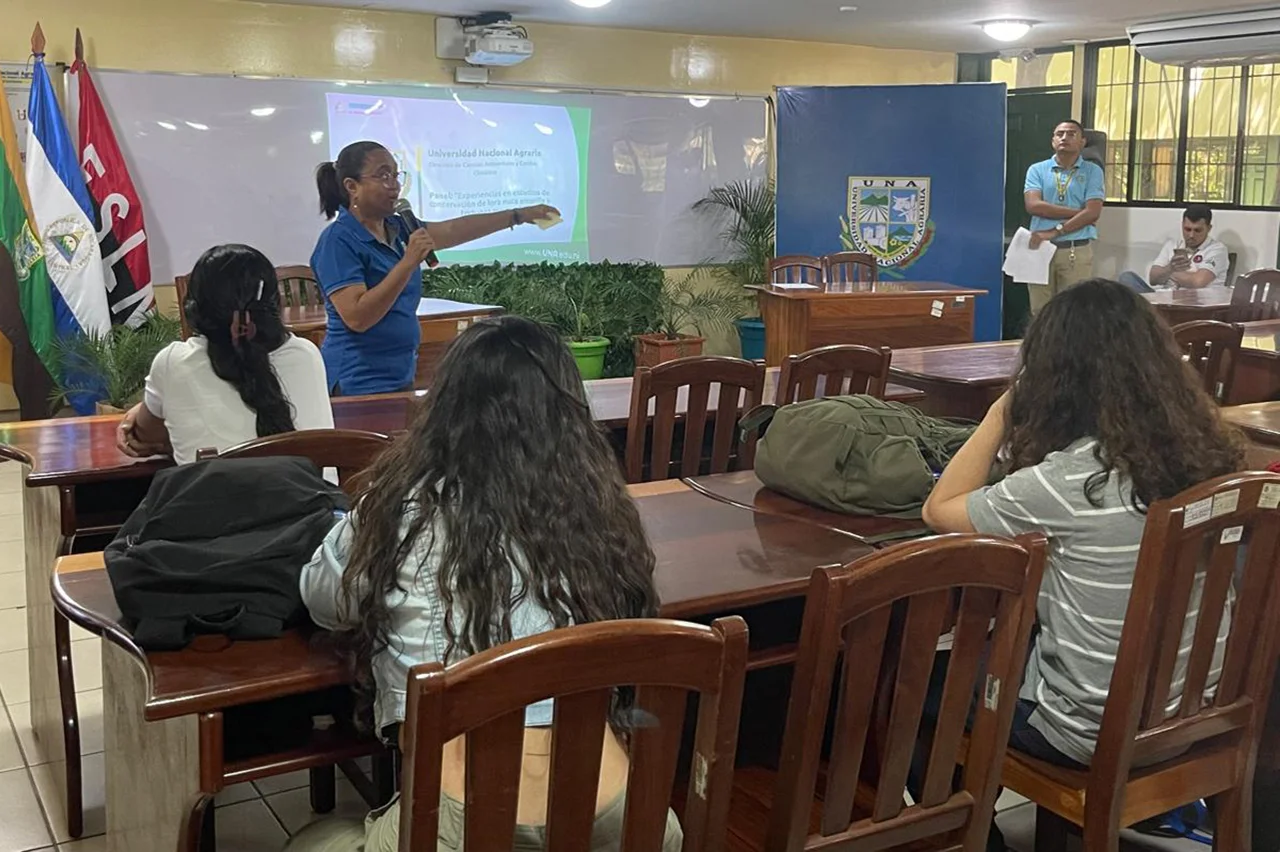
[{"x": 405, "y": 211}]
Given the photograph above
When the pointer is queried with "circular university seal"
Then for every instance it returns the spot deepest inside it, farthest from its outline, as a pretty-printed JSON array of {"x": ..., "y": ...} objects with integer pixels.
[{"x": 68, "y": 245}]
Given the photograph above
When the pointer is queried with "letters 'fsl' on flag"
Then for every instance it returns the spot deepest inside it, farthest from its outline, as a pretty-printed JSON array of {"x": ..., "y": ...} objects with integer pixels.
[
  {"x": 63, "y": 212},
  {"x": 117, "y": 209},
  {"x": 26, "y": 306}
]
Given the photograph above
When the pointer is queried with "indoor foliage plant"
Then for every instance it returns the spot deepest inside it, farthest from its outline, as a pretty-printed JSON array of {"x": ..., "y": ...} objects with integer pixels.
[
  {"x": 111, "y": 368},
  {"x": 748, "y": 209},
  {"x": 684, "y": 305},
  {"x": 581, "y": 300}
]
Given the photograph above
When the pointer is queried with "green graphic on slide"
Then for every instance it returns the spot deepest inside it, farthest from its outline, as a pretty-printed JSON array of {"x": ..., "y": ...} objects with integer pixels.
[{"x": 574, "y": 248}]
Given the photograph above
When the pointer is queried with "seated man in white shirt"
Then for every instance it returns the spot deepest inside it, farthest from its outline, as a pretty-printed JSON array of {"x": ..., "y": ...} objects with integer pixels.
[{"x": 1196, "y": 260}]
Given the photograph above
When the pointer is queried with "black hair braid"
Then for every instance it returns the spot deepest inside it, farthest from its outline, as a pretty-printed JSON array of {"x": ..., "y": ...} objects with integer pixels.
[{"x": 228, "y": 280}]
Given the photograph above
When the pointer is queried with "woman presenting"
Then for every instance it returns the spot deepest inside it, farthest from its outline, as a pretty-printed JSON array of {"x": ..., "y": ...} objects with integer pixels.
[{"x": 368, "y": 264}]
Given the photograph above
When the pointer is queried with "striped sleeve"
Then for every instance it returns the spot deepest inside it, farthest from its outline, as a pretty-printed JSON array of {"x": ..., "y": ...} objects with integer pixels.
[{"x": 1021, "y": 502}]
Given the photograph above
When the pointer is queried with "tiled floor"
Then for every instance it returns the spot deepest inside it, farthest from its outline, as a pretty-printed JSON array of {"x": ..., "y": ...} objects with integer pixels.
[{"x": 255, "y": 817}]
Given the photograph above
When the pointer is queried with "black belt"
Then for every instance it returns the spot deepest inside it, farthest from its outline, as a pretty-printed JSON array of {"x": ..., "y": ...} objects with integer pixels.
[{"x": 1070, "y": 243}]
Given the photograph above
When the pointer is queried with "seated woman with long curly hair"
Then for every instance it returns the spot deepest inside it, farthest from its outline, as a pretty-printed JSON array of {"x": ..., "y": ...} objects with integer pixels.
[
  {"x": 501, "y": 514},
  {"x": 1104, "y": 418}
]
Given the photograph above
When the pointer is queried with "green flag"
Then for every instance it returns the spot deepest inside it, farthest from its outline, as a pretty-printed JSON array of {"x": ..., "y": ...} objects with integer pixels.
[{"x": 26, "y": 294}]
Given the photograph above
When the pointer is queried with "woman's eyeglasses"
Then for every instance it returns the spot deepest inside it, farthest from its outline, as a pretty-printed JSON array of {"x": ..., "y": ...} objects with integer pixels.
[{"x": 387, "y": 177}]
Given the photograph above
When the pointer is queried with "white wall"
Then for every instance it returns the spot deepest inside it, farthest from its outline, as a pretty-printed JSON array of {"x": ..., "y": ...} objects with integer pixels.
[{"x": 1130, "y": 237}]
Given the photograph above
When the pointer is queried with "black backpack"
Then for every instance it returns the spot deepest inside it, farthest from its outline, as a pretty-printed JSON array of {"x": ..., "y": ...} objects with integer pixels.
[{"x": 217, "y": 547}]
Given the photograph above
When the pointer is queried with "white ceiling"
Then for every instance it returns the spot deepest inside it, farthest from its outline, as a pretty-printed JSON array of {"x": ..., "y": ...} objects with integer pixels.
[{"x": 946, "y": 25}]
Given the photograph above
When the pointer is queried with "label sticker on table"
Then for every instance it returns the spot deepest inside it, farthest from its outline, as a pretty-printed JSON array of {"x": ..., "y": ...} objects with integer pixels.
[
  {"x": 1270, "y": 496},
  {"x": 960, "y": 300},
  {"x": 1197, "y": 512},
  {"x": 1231, "y": 535},
  {"x": 462, "y": 325},
  {"x": 991, "y": 695},
  {"x": 936, "y": 310},
  {"x": 1226, "y": 502}
]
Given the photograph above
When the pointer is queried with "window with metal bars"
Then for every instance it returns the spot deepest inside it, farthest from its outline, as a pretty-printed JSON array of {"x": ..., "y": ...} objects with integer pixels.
[{"x": 1177, "y": 136}]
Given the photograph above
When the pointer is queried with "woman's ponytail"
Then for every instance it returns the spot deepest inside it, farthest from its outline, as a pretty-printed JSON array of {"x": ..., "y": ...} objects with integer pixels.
[{"x": 332, "y": 194}]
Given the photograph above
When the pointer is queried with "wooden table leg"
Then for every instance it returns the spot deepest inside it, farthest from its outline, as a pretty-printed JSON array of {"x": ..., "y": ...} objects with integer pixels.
[
  {"x": 153, "y": 768},
  {"x": 42, "y": 529}
]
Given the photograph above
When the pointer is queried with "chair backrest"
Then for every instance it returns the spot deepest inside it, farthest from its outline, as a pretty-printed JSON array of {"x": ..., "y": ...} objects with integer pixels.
[
  {"x": 884, "y": 615},
  {"x": 180, "y": 290},
  {"x": 485, "y": 696},
  {"x": 299, "y": 287},
  {"x": 849, "y": 266},
  {"x": 795, "y": 269},
  {"x": 350, "y": 451},
  {"x": 1214, "y": 549},
  {"x": 843, "y": 369},
  {"x": 696, "y": 377},
  {"x": 1255, "y": 296},
  {"x": 1212, "y": 348}
]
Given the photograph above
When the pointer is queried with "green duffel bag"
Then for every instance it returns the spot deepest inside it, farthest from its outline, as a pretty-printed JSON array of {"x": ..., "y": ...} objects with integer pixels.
[{"x": 855, "y": 454}]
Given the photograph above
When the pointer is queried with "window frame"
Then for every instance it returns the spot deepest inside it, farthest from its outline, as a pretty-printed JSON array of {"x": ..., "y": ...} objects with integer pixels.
[
  {"x": 984, "y": 60},
  {"x": 1089, "y": 106}
]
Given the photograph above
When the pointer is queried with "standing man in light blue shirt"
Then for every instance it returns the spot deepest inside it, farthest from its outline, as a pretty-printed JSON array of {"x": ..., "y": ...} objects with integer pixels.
[{"x": 1064, "y": 196}]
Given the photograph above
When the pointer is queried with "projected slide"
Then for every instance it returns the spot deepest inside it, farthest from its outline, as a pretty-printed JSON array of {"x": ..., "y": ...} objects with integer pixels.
[{"x": 481, "y": 157}]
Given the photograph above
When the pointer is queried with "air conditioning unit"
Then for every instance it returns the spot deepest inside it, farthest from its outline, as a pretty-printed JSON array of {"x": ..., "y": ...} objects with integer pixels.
[{"x": 1237, "y": 38}]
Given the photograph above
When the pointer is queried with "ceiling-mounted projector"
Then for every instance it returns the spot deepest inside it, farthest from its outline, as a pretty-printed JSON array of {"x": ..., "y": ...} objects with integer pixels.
[
  {"x": 501, "y": 44},
  {"x": 487, "y": 39}
]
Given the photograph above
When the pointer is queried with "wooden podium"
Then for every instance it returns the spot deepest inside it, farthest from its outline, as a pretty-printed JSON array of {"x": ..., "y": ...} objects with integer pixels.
[{"x": 899, "y": 314}]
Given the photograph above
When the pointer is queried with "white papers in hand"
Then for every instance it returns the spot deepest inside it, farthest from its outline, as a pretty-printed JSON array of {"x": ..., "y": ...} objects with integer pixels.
[{"x": 1026, "y": 265}]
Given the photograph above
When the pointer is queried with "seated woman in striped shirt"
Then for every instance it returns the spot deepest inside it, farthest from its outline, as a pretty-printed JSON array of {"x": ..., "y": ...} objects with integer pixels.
[{"x": 1103, "y": 419}]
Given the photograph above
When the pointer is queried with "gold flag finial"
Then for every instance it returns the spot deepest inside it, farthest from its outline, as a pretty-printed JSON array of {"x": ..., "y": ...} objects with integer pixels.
[{"x": 37, "y": 40}]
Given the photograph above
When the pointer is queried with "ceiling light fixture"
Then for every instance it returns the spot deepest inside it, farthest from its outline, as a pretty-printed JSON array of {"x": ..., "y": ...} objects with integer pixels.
[
  {"x": 590, "y": 4},
  {"x": 263, "y": 111},
  {"x": 848, "y": 8},
  {"x": 1006, "y": 30},
  {"x": 699, "y": 102}
]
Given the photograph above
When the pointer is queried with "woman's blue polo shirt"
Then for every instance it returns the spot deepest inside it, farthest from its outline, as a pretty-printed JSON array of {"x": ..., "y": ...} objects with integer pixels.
[{"x": 384, "y": 358}]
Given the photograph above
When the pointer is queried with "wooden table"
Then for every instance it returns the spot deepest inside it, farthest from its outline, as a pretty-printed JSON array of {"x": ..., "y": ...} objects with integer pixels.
[
  {"x": 80, "y": 488},
  {"x": 963, "y": 381},
  {"x": 1185, "y": 305},
  {"x": 884, "y": 313},
  {"x": 958, "y": 381},
  {"x": 714, "y": 557},
  {"x": 439, "y": 326},
  {"x": 1260, "y": 422}
]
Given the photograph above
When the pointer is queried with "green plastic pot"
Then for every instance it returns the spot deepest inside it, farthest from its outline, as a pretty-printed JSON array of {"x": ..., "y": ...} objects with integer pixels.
[{"x": 589, "y": 354}]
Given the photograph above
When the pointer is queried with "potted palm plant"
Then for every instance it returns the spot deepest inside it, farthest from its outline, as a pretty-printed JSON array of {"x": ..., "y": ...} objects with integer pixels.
[
  {"x": 748, "y": 209},
  {"x": 685, "y": 305},
  {"x": 110, "y": 368}
]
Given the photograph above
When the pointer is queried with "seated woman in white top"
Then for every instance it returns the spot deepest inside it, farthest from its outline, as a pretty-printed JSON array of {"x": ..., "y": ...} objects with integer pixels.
[
  {"x": 501, "y": 514},
  {"x": 240, "y": 376}
]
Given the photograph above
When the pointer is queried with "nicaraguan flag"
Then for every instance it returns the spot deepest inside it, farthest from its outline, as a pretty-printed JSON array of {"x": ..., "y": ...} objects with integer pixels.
[{"x": 63, "y": 216}]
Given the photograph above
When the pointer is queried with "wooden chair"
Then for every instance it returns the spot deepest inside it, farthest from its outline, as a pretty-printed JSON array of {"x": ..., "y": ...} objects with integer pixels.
[
  {"x": 847, "y": 267},
  {"x": 1213, "y": 349},
  {"x": 796, "y": 269},
  {"x": 884, "y": 614},
  {"x": 1149, "y": 758},
  {"x": 350, "y": 451},
  {"x": 693, "y": 378},
  {"x": 484, "y": 697},
  {"x": 1255, "y": 296},
  {"x": 845, "y": 369},
  {"x": 299, "y": 287}
]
